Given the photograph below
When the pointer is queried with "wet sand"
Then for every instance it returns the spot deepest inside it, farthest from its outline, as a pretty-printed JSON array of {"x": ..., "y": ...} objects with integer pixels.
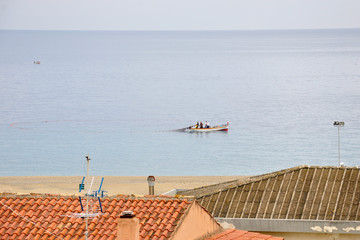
[{"x": 136, "y": 185}]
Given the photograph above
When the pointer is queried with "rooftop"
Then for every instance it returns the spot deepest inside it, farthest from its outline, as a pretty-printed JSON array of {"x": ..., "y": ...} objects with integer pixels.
[
  {"x": 303, "y": 192},
  {"x": 51, "y": 217},
  {"x": 233, "y": 234}
]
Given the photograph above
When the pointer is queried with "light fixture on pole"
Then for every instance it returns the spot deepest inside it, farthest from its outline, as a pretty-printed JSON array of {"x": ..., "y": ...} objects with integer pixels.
[{"x": 338, "y": 125}]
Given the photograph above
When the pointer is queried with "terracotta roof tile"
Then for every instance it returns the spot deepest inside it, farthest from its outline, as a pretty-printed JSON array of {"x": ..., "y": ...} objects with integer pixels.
[
  {"x": 26, "y": 230},
  {"x": 14, "y": 225},
  {"x": 50, "y": 212},
  {"x": 37, "y": 237},
  {"x": 17, "y": 231},
  {"x": 41, "y": 231},
  {"x": 79, "y": 232},
  {"x": 169, "y": 227},
  {"x": 158, "y": 233},
  {"x": 94, "y": 238},
  {"x": 56, "y": 231},
  {"x": 165, "y": 233},
  {"x": 114, "y": 214},
  {"x": 38, "y": 201},
  {"x": 38, "y": 212},
  {"x": 233, "y": 234},
  {"x": 68, "y": 237},
  {"x": 143, "y": 233}
]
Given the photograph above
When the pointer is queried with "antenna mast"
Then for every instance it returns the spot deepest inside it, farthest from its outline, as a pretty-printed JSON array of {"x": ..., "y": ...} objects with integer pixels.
[
  {"x": 88, "y": 162},
  {"x": 91, "y": 199}
]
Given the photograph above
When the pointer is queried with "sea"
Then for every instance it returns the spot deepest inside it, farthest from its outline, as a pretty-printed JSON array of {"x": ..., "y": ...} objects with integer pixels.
[{"x": 122, "y": 97}]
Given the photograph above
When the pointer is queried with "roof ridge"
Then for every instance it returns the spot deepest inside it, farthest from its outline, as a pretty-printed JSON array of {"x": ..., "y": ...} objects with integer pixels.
[
  {"x": 304, "y": 166},
  {"x": 34, "y": 195},
  {"x": 216, "y": 184},
  {"x": 253, "y": 179},
  {"x": 130, "y": 197},
  {"x": 257, "y": 178},
  {"x": 284, "y": 171}
]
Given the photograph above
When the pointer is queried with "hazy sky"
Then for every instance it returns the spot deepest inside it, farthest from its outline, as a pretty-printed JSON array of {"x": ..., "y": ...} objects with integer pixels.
[{"x": 178, "y": 14}]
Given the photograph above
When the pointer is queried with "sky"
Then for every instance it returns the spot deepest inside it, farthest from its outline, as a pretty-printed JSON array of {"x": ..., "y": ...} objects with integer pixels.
[{"x": 178, "y": 14}]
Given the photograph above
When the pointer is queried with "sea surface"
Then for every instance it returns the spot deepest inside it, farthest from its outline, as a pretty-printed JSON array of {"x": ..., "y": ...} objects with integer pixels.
[{"x": 119, "y": 96}]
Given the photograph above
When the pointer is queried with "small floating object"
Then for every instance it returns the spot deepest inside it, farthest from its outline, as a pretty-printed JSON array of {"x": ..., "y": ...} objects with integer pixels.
[
  {"x": 224, "y": 127},
  {"x": 36, "y": 62}
]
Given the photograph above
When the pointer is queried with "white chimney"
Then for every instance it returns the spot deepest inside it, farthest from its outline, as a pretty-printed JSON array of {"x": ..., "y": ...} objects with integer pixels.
[{"x": 128, "y": 226}]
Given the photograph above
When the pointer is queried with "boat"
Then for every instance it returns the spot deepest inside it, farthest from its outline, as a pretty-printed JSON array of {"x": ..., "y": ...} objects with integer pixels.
[{"x": 224, "y": 127}]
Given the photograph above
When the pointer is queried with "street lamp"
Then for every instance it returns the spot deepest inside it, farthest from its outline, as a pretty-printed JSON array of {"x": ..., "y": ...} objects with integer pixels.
[{"x": 338, "y": 125}]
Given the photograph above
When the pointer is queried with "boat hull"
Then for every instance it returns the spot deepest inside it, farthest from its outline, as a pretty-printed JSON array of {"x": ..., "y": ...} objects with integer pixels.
[{"x": 224, "y": 127}]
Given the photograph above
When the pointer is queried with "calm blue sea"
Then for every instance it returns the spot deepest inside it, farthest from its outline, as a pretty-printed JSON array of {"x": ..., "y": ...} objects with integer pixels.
[{"x": 118, "y": 95}]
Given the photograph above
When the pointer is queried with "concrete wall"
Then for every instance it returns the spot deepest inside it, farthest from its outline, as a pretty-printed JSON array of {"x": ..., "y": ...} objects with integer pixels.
[
  {"x": 296, "y": 226},
  {"x": 196, "y": 224},
  {"x": 297, "y": 229},
  {"x": 313, "y": 236}
]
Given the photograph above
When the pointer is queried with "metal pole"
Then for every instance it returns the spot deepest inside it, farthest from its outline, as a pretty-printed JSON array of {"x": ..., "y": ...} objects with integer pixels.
[
  {"x": 87, "y": 198},
  {"x": 339, "y": 124},
  {"x": 339, "y": 144},
  {"x": 88, "y": 160}
]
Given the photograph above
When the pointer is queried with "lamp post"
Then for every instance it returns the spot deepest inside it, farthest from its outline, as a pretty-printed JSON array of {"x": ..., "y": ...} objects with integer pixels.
[
  {"x": 87, "y": 199},
  {"x": 338, "y": 125},
  {"x": 151, "y": 182}
]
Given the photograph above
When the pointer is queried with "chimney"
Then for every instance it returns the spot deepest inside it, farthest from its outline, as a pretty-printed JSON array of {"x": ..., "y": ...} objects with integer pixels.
[
  {"x": 151, "y": 183},
  {"x": 128, "y": 226}
]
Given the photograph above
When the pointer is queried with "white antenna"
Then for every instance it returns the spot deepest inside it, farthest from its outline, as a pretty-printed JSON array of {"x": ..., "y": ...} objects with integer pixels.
[{"x": 90, "y": 201}]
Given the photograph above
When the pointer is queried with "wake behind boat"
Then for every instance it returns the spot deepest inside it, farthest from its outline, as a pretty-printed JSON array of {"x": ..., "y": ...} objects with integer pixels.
[{"x": 197, "y": 128}]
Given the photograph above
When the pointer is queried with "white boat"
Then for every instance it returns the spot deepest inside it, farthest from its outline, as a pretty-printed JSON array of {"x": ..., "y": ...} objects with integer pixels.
[{"x": 224, "y": 127}]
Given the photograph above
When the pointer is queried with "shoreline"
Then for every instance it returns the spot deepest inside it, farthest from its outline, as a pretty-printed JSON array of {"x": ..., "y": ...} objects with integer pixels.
[{"x": 127, "y": 185}]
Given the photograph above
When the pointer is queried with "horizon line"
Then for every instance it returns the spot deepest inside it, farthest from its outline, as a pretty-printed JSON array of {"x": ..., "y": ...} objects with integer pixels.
[{"x": 183, "y": 30}]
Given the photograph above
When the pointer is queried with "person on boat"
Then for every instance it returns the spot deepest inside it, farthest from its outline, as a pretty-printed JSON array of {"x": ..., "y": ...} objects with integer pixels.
[
  {"x": 201, "y": 125},
  {"x": 197, "y": 125},
  {"x": 207, "y": 125}
]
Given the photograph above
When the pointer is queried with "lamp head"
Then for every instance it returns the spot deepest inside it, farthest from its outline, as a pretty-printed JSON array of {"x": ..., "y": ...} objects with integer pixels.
[{"x": 339, "y": 124}]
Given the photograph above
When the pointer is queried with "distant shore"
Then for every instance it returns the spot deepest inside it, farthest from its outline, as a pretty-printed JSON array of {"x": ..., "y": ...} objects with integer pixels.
[{"x": 137, "y": 185}]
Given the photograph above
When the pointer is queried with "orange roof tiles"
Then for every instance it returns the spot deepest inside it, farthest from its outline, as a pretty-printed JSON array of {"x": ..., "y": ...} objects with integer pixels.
[
  {"x": 49, "y": 217},
  {"x": 233, "y": 234}
]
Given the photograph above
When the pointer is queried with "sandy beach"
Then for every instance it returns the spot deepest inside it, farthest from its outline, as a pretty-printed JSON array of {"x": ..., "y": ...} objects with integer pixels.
[{"x": 136, "y": 185}]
